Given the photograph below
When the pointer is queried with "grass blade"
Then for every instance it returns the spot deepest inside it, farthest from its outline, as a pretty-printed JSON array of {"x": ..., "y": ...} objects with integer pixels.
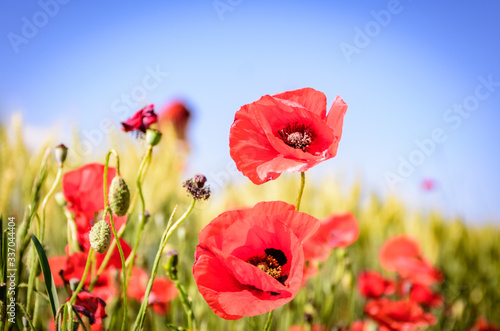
[{"x": 47, "y": 276}]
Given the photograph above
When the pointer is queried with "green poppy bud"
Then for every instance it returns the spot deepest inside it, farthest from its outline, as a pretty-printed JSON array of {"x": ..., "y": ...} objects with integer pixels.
[
  {"x": 61, "y": 153},
  {"x": 153, "y": 137},
  {"x": 100, "y": 236},
  {"x": 119, "y": 196}
]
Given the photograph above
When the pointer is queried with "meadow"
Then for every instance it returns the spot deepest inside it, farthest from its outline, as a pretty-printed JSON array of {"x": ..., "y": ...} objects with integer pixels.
[{"x": 468, "y": 255}]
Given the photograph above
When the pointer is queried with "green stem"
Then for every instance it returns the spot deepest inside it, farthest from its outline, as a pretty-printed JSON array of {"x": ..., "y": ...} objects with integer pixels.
[
  {"x": 82, "y": 281},
  {"x": 140, "y": 174},
  {"x": 269, "y": 321},
  {"x": 113, "y": 228},
  {"x": 34, "y": 263},
  {"x": 301, "y": 190},
  {"x": 166, "y": 235},
  {"x": 25, "y": 313}
]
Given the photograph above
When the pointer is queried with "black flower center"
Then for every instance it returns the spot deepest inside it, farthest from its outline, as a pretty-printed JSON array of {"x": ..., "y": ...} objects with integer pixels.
[
  {"x": 298, "y": 136},
  {"x": 271, "y": 262}
]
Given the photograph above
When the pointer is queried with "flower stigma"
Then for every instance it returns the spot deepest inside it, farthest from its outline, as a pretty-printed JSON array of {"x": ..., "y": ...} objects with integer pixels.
[{"x": 298, "y": 136}]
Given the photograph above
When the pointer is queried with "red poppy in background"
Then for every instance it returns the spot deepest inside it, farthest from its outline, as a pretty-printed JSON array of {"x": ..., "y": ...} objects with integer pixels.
[
  {"x": 162, "y": 292},
  {"x": 371, "y": 284},
  {"x": 251, "y": 261},
  {"x": 402, "y": 254},
  {"x": 141, "y": 120},
  {"x": 398, "y": 315},
  {"x": 336, "y": 230},
  {"x": 424, "y": 296},
  {"x": 286, "y": 132},
  {"x": 66, "y": 267},
  {"x": 83, "y": 188},
  {"x": 482, "y": 324},
  {"x": 178, "y": 114}
]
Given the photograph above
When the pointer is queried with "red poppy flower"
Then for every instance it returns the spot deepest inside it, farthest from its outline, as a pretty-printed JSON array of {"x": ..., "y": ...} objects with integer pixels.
[
  {"x": 286, "y": 132},
  {"x": 403, "y": 255},
  {"x": 424, "y": 296},
  {"x": 251, "y": 261},
  {"x": 359, "y": 325},
  {"x": 141, "y": 120},
  {"x": 178, "y": 114},
  {"x": 83, "y": 188},
  {"x": 398, "y": 315},
  {"x": 314, "y": 327},
  {"x": 482, "y": 324},
  {"x": 336, "y": 230},
  {"x": 372, "y": 285},
  {"x": 91, "y": 306},
  {"x": 66, "y": 267},
  {"x": 162, "y": 292}
]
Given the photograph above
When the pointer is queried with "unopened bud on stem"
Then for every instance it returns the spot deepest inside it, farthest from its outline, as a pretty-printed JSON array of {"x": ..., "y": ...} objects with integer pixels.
[
  {"x": 119, "y": 196},
  {"x": 61, "y": 153},
  {"x": 100, "y": 236}
]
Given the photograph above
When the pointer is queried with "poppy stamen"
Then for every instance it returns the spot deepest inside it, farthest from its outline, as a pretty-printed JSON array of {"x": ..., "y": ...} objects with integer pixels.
[
  {"x": 268, "y": 264},
  {"x": 296, "y": 135}
]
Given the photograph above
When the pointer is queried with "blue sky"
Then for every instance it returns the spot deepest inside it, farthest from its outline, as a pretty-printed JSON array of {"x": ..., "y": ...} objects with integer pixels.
[{"x": 405, "y": 68}]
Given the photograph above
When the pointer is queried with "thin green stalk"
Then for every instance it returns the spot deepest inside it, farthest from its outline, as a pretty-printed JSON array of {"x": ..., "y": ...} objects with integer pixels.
[
  {"x": 145, "y": 161},
  {"x": 269, "y": 321},
  {"x": 113, "y": 228},
  {"x": 166, "y": 235},
  {"x": 301, "y": 190},
  {"x": 82, "y": 281},
  {"x": 34, "y": 264},
  {"x": 121, "y": 231},
  {"x": 25, "y": 313}
]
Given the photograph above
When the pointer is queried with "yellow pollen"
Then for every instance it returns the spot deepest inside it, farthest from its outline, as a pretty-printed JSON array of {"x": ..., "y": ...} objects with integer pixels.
[{"x": 268, "y": 264}]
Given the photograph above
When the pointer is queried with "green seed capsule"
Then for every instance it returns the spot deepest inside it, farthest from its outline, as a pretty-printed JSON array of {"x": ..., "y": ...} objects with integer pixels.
[
  {"x": 119, "y": 196},
  {"x": 100, "y": 236}
]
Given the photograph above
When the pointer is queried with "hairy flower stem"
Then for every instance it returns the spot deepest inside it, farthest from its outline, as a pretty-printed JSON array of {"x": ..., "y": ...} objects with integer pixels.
[
  {"x": 301, "y": 190},
  {"x": 120, "y": 250},
  {"x": 41, "y": 234},
  {"x": 269, "y": 322},
  {"x": 146, "y": 160},
  {"x": 82, "y": 281},
  {"x": 166, "y": 235}
]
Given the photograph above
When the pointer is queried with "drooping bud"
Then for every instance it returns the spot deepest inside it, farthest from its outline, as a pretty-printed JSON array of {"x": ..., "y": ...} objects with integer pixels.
[
  {"x": 60, "y": 199},
  {"x": 119, "y": 196},
  {"x": 61, "y": 153},
  {"x": 153, "y": 137},
  {"x": 196, "y": 187},
  {"x": 100, "y": 236}
]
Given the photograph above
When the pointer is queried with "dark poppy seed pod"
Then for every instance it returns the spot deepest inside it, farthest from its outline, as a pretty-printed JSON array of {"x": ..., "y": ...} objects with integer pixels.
[
  {"x": 119, "y": 196},
  {"x": 100, "y": 236}
]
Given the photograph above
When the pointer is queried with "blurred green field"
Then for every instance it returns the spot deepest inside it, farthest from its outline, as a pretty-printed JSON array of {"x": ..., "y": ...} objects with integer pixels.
[{"x": 468, "y": 255}]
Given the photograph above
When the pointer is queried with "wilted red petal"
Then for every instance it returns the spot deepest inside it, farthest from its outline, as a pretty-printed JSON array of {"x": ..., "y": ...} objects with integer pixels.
[
  {"x": 260, "y": 129},
  {"x": 232, "y": 286},
  {"x": 91, "y": 306},
  {"x": 398, "y": 315},
  {"x": 141, "y": 120}
]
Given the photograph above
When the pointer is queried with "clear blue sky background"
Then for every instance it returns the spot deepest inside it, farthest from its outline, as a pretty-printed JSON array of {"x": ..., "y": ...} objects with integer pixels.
[{"x": 399, "y": 84}]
